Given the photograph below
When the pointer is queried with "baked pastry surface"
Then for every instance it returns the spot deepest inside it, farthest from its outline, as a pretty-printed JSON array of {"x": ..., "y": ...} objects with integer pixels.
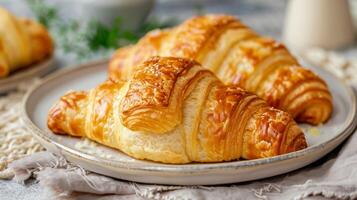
[
  {"x": 22, "y": 43},
  {"x": 237, "y": 55},
  {"x": 172, "y": 110}
]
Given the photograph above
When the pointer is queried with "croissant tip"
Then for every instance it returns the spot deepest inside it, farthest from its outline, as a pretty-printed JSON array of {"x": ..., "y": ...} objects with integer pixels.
[
  {"x": 298, "y": 141},
  {"x": 55, "y": 115}
]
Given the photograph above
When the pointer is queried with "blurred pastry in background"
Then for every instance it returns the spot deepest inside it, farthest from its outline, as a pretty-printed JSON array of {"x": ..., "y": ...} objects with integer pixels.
[{"x": 23, "y": 42}]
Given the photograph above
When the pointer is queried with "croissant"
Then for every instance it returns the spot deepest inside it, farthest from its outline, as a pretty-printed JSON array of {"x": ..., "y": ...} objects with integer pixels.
[
  {"x": 237, "y": 55},
  {"x": 22, "y": 43},
  {"x": 172, "y": 110}
]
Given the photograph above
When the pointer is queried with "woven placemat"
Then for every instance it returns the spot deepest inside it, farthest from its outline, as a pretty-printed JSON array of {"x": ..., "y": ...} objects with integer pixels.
[{"x": 15, "y": 141}]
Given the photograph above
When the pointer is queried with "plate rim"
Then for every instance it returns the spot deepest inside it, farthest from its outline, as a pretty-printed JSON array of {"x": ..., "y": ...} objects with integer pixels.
[
  {"x": 37, "y": 69},
  {"x": 178, "y": 168}
]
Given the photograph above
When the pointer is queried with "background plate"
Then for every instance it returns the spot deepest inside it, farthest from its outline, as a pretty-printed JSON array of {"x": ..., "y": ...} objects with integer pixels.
[
  {"x": 321, "y": 139},
  {"x": 36, "y": 70}
]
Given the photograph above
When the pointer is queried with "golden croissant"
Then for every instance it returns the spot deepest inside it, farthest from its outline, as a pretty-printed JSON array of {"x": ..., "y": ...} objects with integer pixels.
[
  {"x": 22, "y": 43},
  {"x": 237, "y": 55},
  {"x": 172, "y": 110}
]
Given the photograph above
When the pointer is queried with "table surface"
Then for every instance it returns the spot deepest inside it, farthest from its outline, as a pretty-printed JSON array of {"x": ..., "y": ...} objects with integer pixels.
[{"x": 266, "y": 17}]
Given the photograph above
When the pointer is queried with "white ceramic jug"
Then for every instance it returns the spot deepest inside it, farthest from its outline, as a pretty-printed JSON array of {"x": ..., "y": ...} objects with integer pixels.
[{"x": 318, "y": 23}]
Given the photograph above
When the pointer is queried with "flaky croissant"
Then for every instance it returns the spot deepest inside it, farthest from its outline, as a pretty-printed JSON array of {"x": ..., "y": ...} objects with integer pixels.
[
  {"x": 22, "y": 42},
  {"x": 172, "y": 110},
  {"x": 237, "y": 55}
]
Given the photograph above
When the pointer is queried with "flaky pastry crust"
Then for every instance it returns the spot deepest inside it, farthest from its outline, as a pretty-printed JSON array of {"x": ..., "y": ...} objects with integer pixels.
[
  {"x": 172, "y": 110},
  {"x": 237, "y": 55}
]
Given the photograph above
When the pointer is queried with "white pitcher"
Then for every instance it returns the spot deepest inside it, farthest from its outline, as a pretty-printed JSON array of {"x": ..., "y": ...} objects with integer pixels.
[{"x": 318, "y": 23}]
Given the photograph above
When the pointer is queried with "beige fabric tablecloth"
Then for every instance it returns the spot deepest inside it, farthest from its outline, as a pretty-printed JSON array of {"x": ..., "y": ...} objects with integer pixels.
[{"x": 334, "y": 176}]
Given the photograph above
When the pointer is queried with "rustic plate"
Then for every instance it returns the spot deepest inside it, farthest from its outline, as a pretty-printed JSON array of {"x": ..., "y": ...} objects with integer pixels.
[
  {"x": 100, "y": 159},
  {"x": 36, "y": 70}
]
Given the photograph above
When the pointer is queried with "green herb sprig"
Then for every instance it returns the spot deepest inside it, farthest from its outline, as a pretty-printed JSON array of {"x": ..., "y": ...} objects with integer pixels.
[{"x": 91, "y": 40}]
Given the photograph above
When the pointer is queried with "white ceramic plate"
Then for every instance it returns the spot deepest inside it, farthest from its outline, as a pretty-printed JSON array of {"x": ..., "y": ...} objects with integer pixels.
[
  {"x": 36, "y": 70},
  {"x": 116, "y": 164}
]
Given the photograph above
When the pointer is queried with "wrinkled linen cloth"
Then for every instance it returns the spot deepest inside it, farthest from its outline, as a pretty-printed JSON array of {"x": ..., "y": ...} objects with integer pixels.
[{"x": 334, "y": 177}]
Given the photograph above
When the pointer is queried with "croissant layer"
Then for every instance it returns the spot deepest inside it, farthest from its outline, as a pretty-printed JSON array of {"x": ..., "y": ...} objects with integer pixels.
[
  {"x": 237, "y": 55},
  {"x": 172, "y": 110},
  {"x": 22, "y": 43}
]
